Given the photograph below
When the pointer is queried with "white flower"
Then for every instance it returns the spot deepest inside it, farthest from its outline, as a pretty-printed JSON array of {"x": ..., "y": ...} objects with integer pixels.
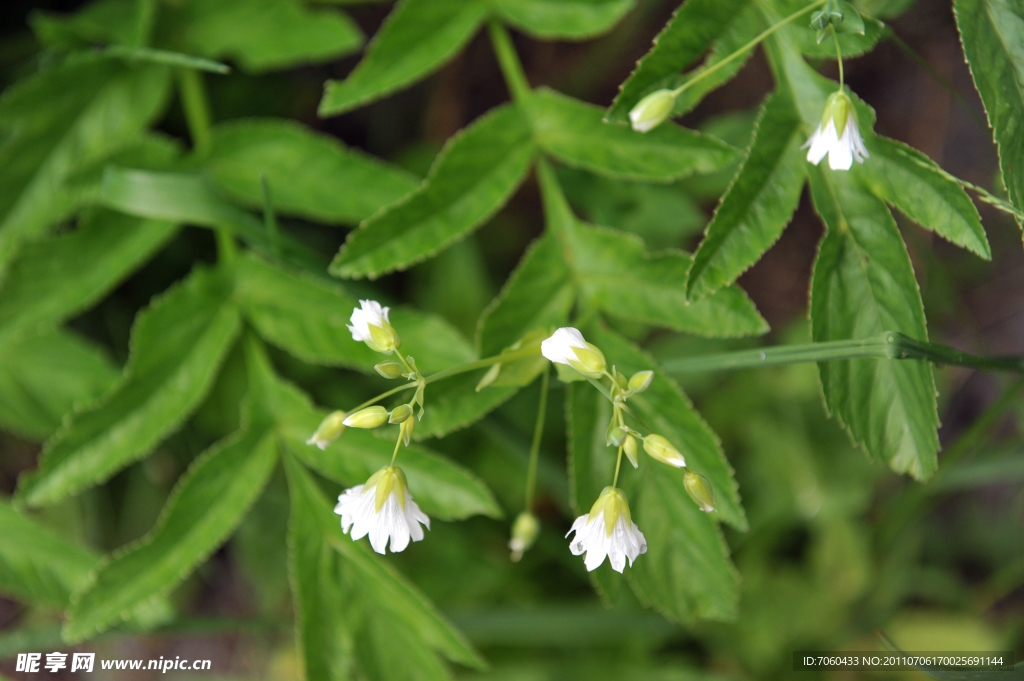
[
  {"x": 567, "y": 346},
  {"x": 383, "y": 509},
  {"x": 370, "y": 324},
  {"x": 607, "y": 531},
  {"x": 837, "y": 135}
]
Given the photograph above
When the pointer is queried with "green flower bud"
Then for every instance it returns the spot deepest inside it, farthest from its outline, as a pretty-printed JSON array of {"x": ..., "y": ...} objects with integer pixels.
[
  {"x": 389, "y": 369},
  {"x": 652, "y": 110},
  {"x": 400, "y": 414},
  {"x": 330, "y": 430},
  {"x": 641, "y": 381},
  {"x": 387, "y": 480},
  {"x": 629, "y": 447},
  {"x": 589, "y": 361},
  {"x": 371, "y": 417},
  {"x": 616, "y": 435},
  {"x": 524, "y": 533},
  {"x": 405, "y": 433},
  {"x": 661, "y": 449},
  {"x": 837, "y": 107},
  {"x": 489, "y": 377},
  {"x": 613, "y": 504},
  {"x": 700, "y": 491}
]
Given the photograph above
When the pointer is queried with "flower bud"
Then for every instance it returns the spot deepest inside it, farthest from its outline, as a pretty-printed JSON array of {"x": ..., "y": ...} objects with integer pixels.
[
  {"x": 371, "y": 417},
  {"x": 406, "y": 430},
  {"x": 620, "y": 378},
  {"x": 652, "y": 110},
  {"x": 370, "y": 324},
  {"x": 699, "y": 490},
  {"x": 489, "y": 377},
  {"x": 641, "y": 381},
  {"x": 389, "y": 369},
  {"x": 661, "y": 449},
  {"x": 330, "y": 430},
  {"x": 615, "y": 436},
  {"x": 400, "y": 414},
  {"x": 524, "y": 533},
  {"x": 589, "y": 361},
  {"x": 629, "y": 447}
]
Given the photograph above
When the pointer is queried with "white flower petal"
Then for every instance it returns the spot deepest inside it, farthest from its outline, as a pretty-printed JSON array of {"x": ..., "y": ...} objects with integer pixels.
[
  {"x": 821, "y": 142},
  {"x": 625, "y": 541},
  {"x": 369, "y": 312},
  {"x": 559, "y": 347},
  {"x": 357, "y": 507}
]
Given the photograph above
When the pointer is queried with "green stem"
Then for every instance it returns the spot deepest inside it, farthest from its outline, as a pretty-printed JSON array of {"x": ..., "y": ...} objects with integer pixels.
[
  {"x": 887, "y": 345},
  {"x": 398, "y": 443},
  {"x": 743, "y": 50},
  {"x": 196, "y": 108},
  {"x": 839, "y": 54},
  {"x": 618, "y": 465},
  {"x": 625, "y": 407},
  {"x": 483, "y": 364},
  {"x": 408, "y": 368},
  {"x": 511, "y": 67},
  {"x": 538, "y": 432}
]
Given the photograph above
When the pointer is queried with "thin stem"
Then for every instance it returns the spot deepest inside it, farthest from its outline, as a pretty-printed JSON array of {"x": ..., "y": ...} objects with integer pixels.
[
  {"x": 398, "y": 443},
  {"x": 625, "y": 407},
  {"x": 196, "y": 108},
  {"x": 618, "y": 465},
  {"x": 408, "y": 367},
  {"x": 887, "y": 345},
  {"x": 511, "y": 67},
  {"x": 482, "y": 364},
  {"x": 839, "y": 54},
  {"x": 741, "y": 51},
  {"x": 538, "y": 431},
  {"x": 378, "y": 398}
]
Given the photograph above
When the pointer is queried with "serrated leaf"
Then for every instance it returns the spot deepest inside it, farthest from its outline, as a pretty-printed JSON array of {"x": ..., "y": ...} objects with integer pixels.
[
  {"x": 60, "y": 122},
  {"x": 538, "y": 294},
  {"x": 693, "y": 27},
  {"x": 907, "y": 179},
  {"x": 863, "y": 284},
  {"x": 57, "y": 277},
  {"x": 380, "y": 584},
  {"x": 562, "y": 19},
  {"x": 176, "y": 346},
  {"x": 442, "y": 488},
  {"x": 261, "y": 35},
  {"x": 686, "y": 573},
  {"x": 665, "y": 408},
  {"x": 308, "y": 317},
  {"x": 758, "y": 204},
  {"x": 857, "y": 35},
  {"x": 202, "y": 511},
  {"x": 104, "y": 21},
  {"x": 44, "y": 375},
  {"x": 453, "y": 404},
  {"x": 310, "y": 175},
  {"x": 472, "y": 178},
  {"x": 36, "y": 565},
  {"x": 416, "y": 39},
  {"x": 573, "y": 132}
]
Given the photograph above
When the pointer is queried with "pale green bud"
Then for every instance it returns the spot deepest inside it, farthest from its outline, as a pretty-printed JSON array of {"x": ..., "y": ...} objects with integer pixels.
[
  {"x": 615, "y": 436},
  {"x": 652, "y": 110},
  {"x": 384, "y": 338},
  {"x": 407, "y": 427},
  {"x": 661, "y": 449},
  {"x": 387, "y": 480},
  {"x": 612, "y": 502},
  {"x": 589, "y": 361},
  {"x": 400, "y": 414},
  {"x": 330, "y": 430},
  {"x": 699, "y": 490},
  {"x": 524, "y": 533},
  {"x": 838, "y": 107},
  {"x": 389, "y": 369},
  {"x": 641, "y": 381},
  {"x": 489, "y": 377},
  {"x": 629, "y": 447},
  {"x": 371, "y": 417}
]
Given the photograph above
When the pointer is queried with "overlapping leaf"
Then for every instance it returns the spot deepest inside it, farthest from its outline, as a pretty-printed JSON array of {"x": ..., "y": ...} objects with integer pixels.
[
  {"x": 176, "y": 345},
  {"x": 472, "y": 178},
  {"x": 562, "y": 19}
]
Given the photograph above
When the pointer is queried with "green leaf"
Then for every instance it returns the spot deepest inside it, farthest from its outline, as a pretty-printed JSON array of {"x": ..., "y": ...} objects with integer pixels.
[
  {"x": 58, "y": 277},
  {"x": 42, "y": 376},
  {"x": 453, "y": 404},
  {"x": 62, "y": 121},
  {"x": 759, "y": 203},
  {"x": 304, "y": 169},
  {"x": 38, "y": 566},
  {"x": 417, "y": 38},
  {"x": 694, "y": 26},
  {"x": 537, "y": 295},
  {"x": 686, "y": 573},
  {"x": 202, "y": 511},
  {"x": 907, "y": 179},
  {"x": 857, "y": 35},
  {"x": 863, "y": 284},
  {"x": 665, "y": 408},
  {"x": 472, "y": 178},
  {"x": 441, "y": 488},
  {"x": 573, "y": 132},
  {"x": 103, "y": 21},
  {"x": 308, "y": 318},
  {"x": 177, "y": 345},
  {"x": 380, "y": 584},
  {"x": 562, "y": 19},
  {"x": 261, "y": 35}
]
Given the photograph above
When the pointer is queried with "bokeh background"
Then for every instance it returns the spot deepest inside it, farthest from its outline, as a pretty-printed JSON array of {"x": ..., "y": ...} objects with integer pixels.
[{"x": 839, "y": 549}]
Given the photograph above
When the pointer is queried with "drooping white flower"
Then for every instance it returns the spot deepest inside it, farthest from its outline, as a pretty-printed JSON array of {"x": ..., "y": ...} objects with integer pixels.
[
  {"x": 567, "y": 346},
  {"x": 382, "y": 508},
  {"x": 370, "y": 324},
  {"x": 837, "y": 135},
  {"x": 607, "y": 531}
]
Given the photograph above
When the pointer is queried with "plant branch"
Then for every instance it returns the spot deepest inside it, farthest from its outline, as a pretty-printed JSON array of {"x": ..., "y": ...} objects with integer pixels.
[
  {"x": 511, "y": 67},
  {"x": 538, "y": 432}
]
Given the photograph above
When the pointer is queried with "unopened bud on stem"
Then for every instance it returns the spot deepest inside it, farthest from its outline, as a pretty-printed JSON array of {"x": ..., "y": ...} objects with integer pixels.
[
  {"x": 330, "y": 430},
  {"x": 371, "y": 417},
  {"x": 699, "y": 489},
  {"x": 652, "y": 110},
  {"x": 389, "y": 369},
  {"x": 661, "y": 449},
  {"x": 641, "y": 381},
  {"x": 524, "y": 533}
]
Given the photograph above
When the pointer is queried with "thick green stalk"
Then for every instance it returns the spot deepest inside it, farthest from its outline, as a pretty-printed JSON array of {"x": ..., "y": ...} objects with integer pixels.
[{"x": 511, "y": 67}]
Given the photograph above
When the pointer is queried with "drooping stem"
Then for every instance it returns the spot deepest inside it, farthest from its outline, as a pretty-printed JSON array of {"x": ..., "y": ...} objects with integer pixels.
[
  {"x": 839, "y": 54},
  {"x": 618, "y": 465},
  {"x": 743, "y": 50},
  {"x": 398, "y": 443},
  {"x": 538, "y": 432},
  {"x": 508, "y": 60}
]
